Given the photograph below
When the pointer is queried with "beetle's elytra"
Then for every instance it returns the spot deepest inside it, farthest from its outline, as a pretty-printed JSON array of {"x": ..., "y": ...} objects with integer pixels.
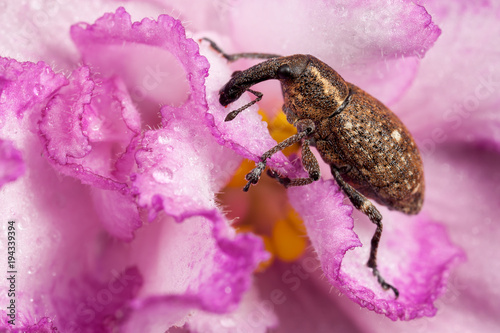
[{"x": 370, "y": 152}]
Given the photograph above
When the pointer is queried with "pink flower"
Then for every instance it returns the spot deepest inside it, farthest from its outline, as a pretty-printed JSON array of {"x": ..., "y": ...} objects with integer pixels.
[{"x": 112, "y": 154}]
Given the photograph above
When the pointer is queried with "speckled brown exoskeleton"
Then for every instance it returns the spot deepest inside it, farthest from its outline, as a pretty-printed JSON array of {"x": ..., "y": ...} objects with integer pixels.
[{"x": 370, "y": 152}]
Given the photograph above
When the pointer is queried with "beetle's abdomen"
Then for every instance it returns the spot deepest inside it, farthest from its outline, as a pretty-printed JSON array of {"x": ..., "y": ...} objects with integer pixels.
[{"x": 379, "y": 153}]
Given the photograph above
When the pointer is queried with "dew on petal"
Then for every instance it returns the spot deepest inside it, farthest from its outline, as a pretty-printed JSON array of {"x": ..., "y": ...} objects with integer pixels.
[
  {"x": 37, "y": 89},
  {"x": 163, "y": 175}
]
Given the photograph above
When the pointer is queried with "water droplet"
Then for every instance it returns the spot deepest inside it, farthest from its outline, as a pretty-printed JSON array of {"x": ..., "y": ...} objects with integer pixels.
[
  {"x": 228, "y": 290},
  {"x": 37, "y": 89},
  {"x": 163, "y": 139},
  {"x": 163, "y": 175}
]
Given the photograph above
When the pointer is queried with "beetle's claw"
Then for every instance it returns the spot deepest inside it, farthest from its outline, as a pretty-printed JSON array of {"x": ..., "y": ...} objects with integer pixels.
[
  {"x": 247, "y": 186},
  {"x": 283, "y": 180},
  {"x": 384, "y": 284},
  {"x": 254, "y": 175}
]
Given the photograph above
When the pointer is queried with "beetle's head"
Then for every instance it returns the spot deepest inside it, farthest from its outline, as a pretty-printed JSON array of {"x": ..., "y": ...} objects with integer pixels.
[
  {"x": 230, "y": 93},
  {"x": 285, "y": 69}
]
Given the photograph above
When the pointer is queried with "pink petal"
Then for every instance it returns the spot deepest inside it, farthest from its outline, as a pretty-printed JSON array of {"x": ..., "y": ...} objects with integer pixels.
[
  {"x": 62, "y": 248},
  {"x": 98, "y": 302},
  {"x": 404, "y": 257},
  {"x": 61, "y": 128},
  {"x": 456, "y": 99},
  {"x": 180, "y": 166},
  {"x": 44, "y": 325},
  {"x": 211, "y": 273},
  {"x": 152, "y": 63},
  {"x": 51, "y": 212},
  {"x": 118, "y": 213},
  {"x": 388, "y": 80},
  {"x": 302, "y": 299},
  {"x": 25, "y": 86},
  {"x": 173, "y": 177},
  {"x": 350, "y": 31},
  {"x": 84, "y": 143},
  {"x": 252, "y": 315},
  {"x": 11, "y": 163},
  {"x": 366, "y": 42}
]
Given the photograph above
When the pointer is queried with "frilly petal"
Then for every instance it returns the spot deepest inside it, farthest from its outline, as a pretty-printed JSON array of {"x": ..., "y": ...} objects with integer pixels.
[
  {"x": 375, "y": 36},
  {"x": 62, "y": 128},
  {"x": 178, "y": 165},
  {"x": 43, "y": 325},
  {"x": 211, "y": 272},
  {"x": 456, "y": 99},
  {"x": 59, "y": 262},
  {"x": 11, "y": 163},
  {"x": 350, "y": 31},
  {"x": 405, "y": 257},
  {"x": 174, "y": 177},
  {"x": 154, "y": 58},
  {"x": 25, "y": 86},
  {"x": 86, "y": 142},
  {"x": 100, "y": 303}
]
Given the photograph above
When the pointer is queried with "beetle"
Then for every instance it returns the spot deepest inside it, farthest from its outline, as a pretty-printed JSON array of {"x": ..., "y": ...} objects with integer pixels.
[{"x": 371, "y": 153}]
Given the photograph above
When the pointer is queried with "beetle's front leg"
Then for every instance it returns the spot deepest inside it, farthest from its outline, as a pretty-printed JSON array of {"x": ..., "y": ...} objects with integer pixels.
[
  {"x": 309, "y": 162},
  {"x": 305, "y": 127}
]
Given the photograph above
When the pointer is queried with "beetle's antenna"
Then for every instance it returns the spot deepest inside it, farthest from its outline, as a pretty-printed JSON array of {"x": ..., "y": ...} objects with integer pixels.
[
  {"x": 236, "y": 56},
  {"x": 231, "y": 115}
]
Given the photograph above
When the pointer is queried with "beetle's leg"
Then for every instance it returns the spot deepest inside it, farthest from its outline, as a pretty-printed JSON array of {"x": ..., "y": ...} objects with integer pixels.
[
  {"x": 363, "y": 204},
  {"x": 231, "y": 115},
  {"x": 305, "y": 127},
  {"x": 309, "y": 162},
  {"x": 236, "y": 56}
]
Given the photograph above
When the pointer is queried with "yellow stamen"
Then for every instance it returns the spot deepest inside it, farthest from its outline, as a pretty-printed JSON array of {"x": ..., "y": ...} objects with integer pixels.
[
  {"x": 281, "y": 130},
  {"x": 238, "y": 179},
  {"x": 289, "y": 238},
  {"x": 269, "y": 216}
]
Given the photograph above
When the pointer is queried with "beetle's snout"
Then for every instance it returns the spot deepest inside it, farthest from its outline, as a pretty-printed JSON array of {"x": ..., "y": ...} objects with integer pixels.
[{"x": 229, "y": 94}]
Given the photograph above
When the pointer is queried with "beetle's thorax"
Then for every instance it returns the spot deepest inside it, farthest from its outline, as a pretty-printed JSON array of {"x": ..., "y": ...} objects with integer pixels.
[{"x": 317, "y": 93}]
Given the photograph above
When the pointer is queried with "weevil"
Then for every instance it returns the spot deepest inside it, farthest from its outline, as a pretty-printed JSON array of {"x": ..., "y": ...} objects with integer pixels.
[{"x": 371, "y": 153}]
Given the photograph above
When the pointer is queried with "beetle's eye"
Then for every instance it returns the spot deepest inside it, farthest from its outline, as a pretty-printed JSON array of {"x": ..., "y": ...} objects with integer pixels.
[{"x": 284, "y": 72}]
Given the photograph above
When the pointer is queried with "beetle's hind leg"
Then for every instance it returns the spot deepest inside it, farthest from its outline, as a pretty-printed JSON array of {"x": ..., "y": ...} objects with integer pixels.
[
  {"x": 363, "y": 204},
  {"x": 236, "y": 56}
]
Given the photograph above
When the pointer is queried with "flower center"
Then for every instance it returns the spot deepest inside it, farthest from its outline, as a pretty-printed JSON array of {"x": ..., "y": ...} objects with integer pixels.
[{"x": 264, "y": 209}]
